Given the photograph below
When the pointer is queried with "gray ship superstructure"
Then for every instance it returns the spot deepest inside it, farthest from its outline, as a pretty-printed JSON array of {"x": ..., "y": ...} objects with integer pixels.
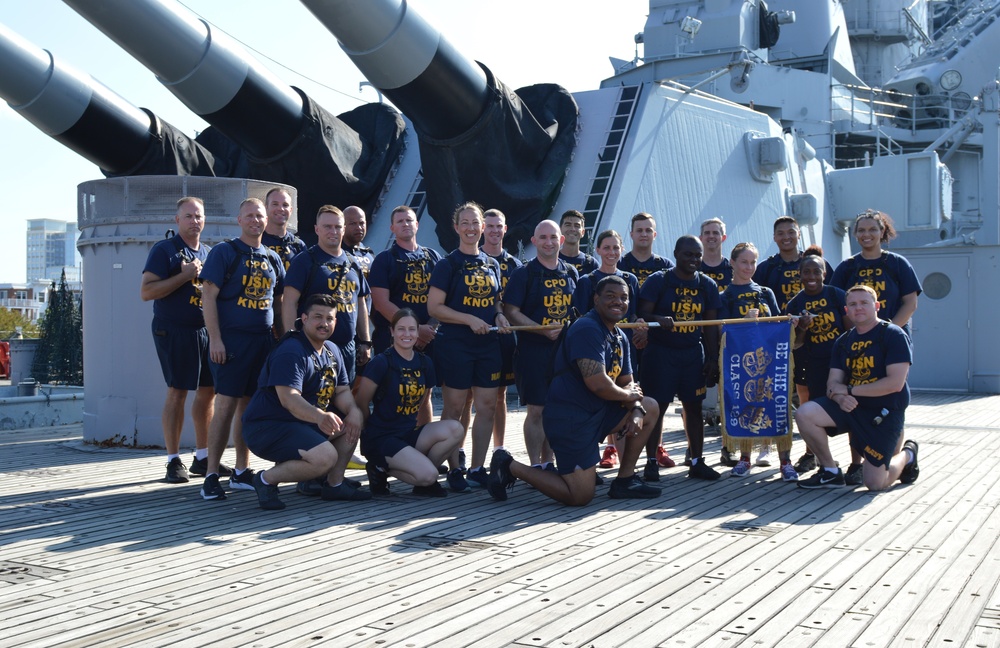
[{"x": 736, "y": 109}]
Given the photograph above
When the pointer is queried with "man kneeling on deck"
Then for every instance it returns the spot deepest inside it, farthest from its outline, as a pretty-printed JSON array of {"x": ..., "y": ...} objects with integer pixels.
[
  {"x": 590, "y": 396},
  {"x": 288, "y": 421},
  {"x": 867, "y": 396}
]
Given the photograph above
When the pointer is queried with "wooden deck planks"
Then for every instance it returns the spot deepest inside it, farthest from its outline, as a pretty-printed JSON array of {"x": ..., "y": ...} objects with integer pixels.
[{"x": 737, "y": 562}]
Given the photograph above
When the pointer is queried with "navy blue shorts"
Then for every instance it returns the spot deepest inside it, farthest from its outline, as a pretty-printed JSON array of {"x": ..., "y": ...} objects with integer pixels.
[
  {"x": 183, "y": 354},
  {"x": 533, "y": 371},
  {"x": 350, "y": 353},
  {"x": 815, "y": 374},
  {"x": 667, "y": 373},
  {"x": 378, "y": 447},
  {"x": 279, "y": 441},
  {"x": 876, "y": 442},
  {"x": 245, "y": 356},
  {"x": 575, "y": 435},
  {"x": 508, "y": 349},
  {"x": 799, "y": 363},
  {"x": 468, "y": 361}
]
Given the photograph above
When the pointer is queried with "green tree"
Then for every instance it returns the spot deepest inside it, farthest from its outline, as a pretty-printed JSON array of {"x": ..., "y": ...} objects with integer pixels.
[
  {"x": 10, "y": 320},
  {"x": 59, "y": 357}
]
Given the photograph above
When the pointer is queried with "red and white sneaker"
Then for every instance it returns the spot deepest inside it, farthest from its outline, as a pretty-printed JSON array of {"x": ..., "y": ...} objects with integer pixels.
[
  {"x": 663, "y": 458},
  {"x": 610, "y": 458}
]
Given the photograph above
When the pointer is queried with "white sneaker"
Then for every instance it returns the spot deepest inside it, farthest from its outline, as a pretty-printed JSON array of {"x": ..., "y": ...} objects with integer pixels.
[{"x": 764, "y": 458}]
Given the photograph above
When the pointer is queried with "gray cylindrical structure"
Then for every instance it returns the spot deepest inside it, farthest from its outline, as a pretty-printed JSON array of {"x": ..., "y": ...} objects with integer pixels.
[
  {"x": 120, "y": 219},
  {"x": 70, "y": 106},
  {"x": 407, "y": 59},
  {"x": 22, "y": 358},
  {"x": 211, "y": 73}
]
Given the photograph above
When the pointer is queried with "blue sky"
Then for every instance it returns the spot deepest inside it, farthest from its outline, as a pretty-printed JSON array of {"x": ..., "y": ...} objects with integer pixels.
[{"x": 522, "y": 42}]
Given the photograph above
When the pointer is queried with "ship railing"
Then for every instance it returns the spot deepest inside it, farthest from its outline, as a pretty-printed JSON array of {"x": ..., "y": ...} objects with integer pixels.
[{"x": 864, "y": 108}]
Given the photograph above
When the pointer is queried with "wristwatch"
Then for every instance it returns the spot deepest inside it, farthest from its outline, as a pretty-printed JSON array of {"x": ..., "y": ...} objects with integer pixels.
[
  {"x": 850, "y": 392},
  {"x": 638, "y": 406}
]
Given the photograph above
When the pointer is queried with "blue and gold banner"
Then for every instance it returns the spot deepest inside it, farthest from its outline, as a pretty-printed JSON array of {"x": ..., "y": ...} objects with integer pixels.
[{"x": 755, "y": 383}]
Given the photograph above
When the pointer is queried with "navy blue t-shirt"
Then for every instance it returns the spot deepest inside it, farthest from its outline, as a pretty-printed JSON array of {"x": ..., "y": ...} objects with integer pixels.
[
  {"x": 828, "y": 322},
  {"x": 508, "y": 264},
  {"x": 684, "y": 301},
  {"x": 471, "y": 284},
  {"x": 890, "y": 275},
  {"x": 286, "y": 247},
  {"x": 587, "y": 338},
  {"x": 331, "y": 275},
  {"x": 542, "y": 295},
  {"x": 721, "y": 274},
  {"x": 583, "y": 296},
  {"x": 864, "y": 359},
  {"x": 738, "y": 300},
  {"x": 361, "y": 255},
  {"x": 295, "y": 363},
  {"x": 783, "y": 277},
  {"x": 407, "y": 277},
  {"x": 584, "y": 263},
  {"x": 643, "y": 269},
  {"x": 246, "y": 299},
  {"x": 183, "y": 306},
  {"x": 401, "y": 390}
]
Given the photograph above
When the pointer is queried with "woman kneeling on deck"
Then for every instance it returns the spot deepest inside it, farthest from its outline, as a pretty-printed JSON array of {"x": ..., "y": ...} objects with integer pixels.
[{"x": 398, "y": 381}]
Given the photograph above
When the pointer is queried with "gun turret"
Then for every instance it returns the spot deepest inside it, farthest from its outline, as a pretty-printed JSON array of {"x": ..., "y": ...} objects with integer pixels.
[
  {"x": 479, "y": 140},
  {"x": 87, "y": 117},
  {"x": 286, "y": 136}
]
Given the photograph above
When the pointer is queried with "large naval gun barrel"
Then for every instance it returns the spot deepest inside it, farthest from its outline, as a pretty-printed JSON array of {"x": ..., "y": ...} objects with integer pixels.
[
  {"x": 479, "y": 140},
  {"x": 89, "y": 118},
  {"x": 286, "y": 137}
]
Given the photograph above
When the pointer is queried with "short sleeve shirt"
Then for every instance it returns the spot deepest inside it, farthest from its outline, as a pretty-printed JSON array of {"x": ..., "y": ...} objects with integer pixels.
[
  {"x": 471, "y": 284},
  {"x": 587, "y": 338},
  {"x": 295, "y": 363},
  {"x": 402, "y": 387},
  {"x": 684, "y": 301},
  {"x": 246, "y": 297},
  {"x": 336, "y": 276},
  {"x": 643, "y": 269},
  {"x": 183, "y": 306},
  {"x": 407, "y": 276},
  {"x": 542, "y": 295},
  {"x": 286, "y": 247},
  {"x": 827, "y": 309},
  {"x": 865, "y": 357},
  {"x": 738, "y": 300},
  {"x": 890, "y": 275}
]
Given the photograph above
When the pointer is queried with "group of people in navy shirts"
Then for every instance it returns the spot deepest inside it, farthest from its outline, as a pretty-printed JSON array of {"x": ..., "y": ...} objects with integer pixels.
[{"x": 363, "y": 338}]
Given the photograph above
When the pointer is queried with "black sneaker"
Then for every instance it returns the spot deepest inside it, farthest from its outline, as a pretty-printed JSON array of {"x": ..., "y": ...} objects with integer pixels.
[
  {"x": 853, "y": 476},
  {"x": 311, "y": 487},
  {"x": 200, "y": 467},
  {"x": 702, "y": 470},
  {"x": 912, "y": 470},
  {"x": 477, "y": 478},
  {"x": 434, "y": 490},
  {"x": 378, "y": 481},
  {"x": 267, "y": 494},
  {"x": 243, "y": 481},
  {"x": 806, "y": 463},
  {"x": 598, "y": 480},
  {"x": 651, "y": 471},
  {"x": 726, "y": 458},
  {"x": 211, "y": 489},
  {"x": 345, "y": 493},
  {"x": 632, "y": 488},
  {"x": 456, "y": 481},
  {"x": 500, "y": 478},
  {"x": 823, "y": 478},
  {"x": 177, "y": 472}
]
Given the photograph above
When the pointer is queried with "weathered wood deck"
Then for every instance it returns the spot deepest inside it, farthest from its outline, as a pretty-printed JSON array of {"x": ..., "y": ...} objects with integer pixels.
[{"x": 98, "y": 551}]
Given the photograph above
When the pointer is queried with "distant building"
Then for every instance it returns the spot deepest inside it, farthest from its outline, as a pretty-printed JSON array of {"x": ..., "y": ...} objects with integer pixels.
[
  {"x": 28, "y": 299},
  {"x": 51, "y": 250}
]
